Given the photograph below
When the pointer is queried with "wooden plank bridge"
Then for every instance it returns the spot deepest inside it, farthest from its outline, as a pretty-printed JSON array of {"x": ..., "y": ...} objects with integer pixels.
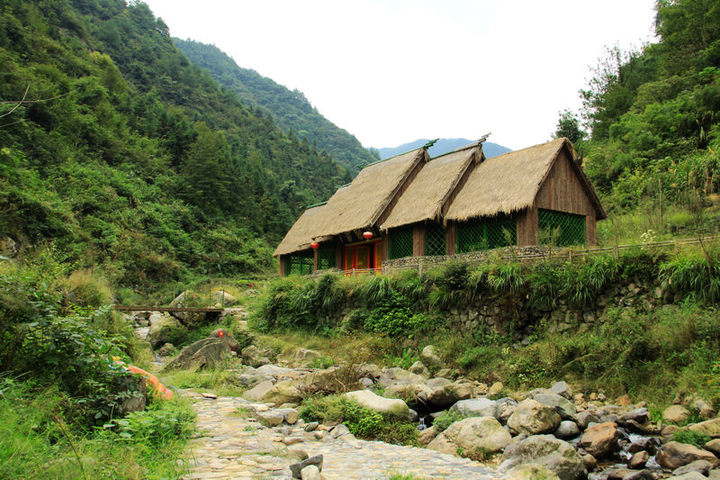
[{"x": 146, "y": 308}]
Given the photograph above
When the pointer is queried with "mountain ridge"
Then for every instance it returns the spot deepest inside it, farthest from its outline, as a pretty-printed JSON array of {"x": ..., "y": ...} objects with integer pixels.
[
  {"x": 290, "y": 109},
  {"x": 442, "y": 146}
]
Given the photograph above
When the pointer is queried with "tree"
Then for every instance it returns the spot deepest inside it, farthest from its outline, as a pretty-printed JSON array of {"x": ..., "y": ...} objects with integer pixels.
[{"x": 568, "y": 126}]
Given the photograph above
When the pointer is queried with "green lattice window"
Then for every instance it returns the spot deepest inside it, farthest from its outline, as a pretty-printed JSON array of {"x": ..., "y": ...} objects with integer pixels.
[
  {"x": 561, "y": 228},
  {"x": 486, "y": 233},
  {"x": 302, "y": 263},
  {"x": 400, "y": 243},
  {"x": 435, "y": 239},
  {"x": 326, "y": 258}
]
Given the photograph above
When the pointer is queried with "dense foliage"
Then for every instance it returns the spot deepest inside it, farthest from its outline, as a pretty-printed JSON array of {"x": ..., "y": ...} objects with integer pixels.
[
  {"x": 127, "y": 155},
  {"x": 290, "y": 109},
  {"x": 653, "y": 117},
  {"x": 667, "y": 339}
]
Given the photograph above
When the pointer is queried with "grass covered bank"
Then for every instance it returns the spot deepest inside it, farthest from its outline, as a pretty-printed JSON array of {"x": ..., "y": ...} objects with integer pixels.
[
  {"x": 664, "y": 341},
  {"x": 65, "y": 409}
]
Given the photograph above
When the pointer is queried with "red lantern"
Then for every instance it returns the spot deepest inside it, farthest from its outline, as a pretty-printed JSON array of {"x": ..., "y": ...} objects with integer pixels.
[
  {"x": 314, "y": 245},
  {"x": 367, "y": 235}
]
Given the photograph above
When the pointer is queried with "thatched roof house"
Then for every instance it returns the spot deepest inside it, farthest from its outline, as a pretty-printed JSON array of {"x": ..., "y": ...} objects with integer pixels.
[{"x": 411, "y": 205}]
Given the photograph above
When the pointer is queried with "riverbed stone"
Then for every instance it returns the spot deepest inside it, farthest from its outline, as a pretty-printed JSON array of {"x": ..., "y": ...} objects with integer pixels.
[
  {"x": 710, "y": 427},
  {"x": 419, "y": 368},
  {"x": 561, "y": 404},
  {"x": 567, "y": 429},
  {"x": 429, "y": 356},
  {"x": 600, "y": 440},
  {"x": 311, "y": 472},
  {"x": 674, "y": 454},
  {"x": 474, "y": 434},
  {"x": 476, "y": 407},
  {"x": 676, "y": 414},
  {"x": 387, "y": 406},
  {"x": 531, "y": 471},
  {"x": 701, "y": 466},
  {"x": 639, "y": 459},
  {"x": 555, "y": 454},
  {"x": 533, "y": 417}
]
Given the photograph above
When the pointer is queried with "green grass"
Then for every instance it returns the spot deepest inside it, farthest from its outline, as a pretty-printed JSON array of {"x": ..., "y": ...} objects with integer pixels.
[
  {"x": 37, "y": 442},
  {"x": 221, "y": 380}
]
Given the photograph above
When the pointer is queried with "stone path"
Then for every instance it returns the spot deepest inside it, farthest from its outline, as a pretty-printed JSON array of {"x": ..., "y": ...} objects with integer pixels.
[{"x": 234, "y": 446}]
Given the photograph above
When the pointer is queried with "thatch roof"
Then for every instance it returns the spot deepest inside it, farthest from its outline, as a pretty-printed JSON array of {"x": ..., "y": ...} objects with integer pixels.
[
  {"x": 359, "y": 205},
  {"x": 428, "y": 192},
  {"x": 510, "y": 182},
  {"x": 300, "y": 235}
]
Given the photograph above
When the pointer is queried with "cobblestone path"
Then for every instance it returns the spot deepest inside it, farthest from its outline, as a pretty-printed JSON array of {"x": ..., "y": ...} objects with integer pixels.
[{"x": 233, "y": 445}]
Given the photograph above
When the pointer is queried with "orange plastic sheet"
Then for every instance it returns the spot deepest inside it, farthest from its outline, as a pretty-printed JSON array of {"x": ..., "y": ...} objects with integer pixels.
[{"x": 150, "y": 379}]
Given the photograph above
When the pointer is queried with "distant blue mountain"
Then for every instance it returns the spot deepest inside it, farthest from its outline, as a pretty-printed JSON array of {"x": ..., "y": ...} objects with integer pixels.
[{"x": 443, "y": 145}]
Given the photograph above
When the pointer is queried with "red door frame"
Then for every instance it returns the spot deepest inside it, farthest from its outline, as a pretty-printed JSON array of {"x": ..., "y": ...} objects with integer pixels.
[{"x": 374, "y": 245}]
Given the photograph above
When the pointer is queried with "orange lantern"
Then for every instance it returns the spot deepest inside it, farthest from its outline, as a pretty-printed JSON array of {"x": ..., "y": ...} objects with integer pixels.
[{"x": 314, "y": 245}]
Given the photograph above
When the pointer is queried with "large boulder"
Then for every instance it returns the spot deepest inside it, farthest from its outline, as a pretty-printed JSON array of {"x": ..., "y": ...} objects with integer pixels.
[
  {"x": 710, "y": 428},
  {"x": 475, "y": 436},
  {"x": 223, "y": 298},
  {"x": 561, "y": 404},
  {"x": 161, "y": 327},
  {"x": 446, "y": 393},
  {"x": 387, "y": 406},
  {"x": 187, "y": 299},
  {"x": 398, "y": 376},
  {"x": 254, "y": 356},
  {"x": 556, "y": 455},
  {"x": 674, "y": 454},
  {"x": 600, "y": 439},
  {"x": 676, "y": 414},
  {"x": 259, "y": 391},
  {"x": 287, "y": 391},
  {"x": 532, "y": 417},
  {"x": 477, "y": 407},
  {"x": 430, "y": 357},
  {"x": 204, "y": 353},
  {"x": 531, "y": 471}
]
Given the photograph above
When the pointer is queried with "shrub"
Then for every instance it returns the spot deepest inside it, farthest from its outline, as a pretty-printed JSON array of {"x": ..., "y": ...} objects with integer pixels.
[
  {"x": 87, "y": 288},
  {"x": 162, "y": 422},
  {"x": 445, "y": 419},
  {"x": 361, "y": 421}
]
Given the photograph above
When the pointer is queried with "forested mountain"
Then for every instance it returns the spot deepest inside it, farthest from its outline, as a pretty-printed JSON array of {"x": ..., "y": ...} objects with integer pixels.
[
  {"x": 443, "y": 145},
  {"x": 290, "y": 109},
  {"x": 653, "y": 116},
  {"x": 124, "y": 154}
]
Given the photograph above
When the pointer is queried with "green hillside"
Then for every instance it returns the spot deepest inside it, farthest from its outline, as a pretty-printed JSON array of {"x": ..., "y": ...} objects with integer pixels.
[
  {"x": 290, "y": 109},
  {"x": 654, "y": 144},
  {"x": 125, "y": 155}
]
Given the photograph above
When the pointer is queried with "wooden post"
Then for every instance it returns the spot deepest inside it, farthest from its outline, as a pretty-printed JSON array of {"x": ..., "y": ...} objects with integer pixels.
[
  {"x": 315, "y": 259},
  {"x": 419, "y": 240},
  {"x": 450, "y": 238}
]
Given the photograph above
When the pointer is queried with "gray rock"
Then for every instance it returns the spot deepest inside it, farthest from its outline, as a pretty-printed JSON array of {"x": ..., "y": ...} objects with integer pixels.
[
  {"x": 418, "y": 368},
  {"x": 713, "y": 446},
  {"x": 311, "y": 472},
  {"x": 253, "y": 356},
  {"x": 561, "y": 404},
  {"x": 297, "y": 468},
  {"x": 676, "y": 414},
  {"x": 311, "y": 426},
  {"x": 388, "y": 406},
  {"x": 258, "y": 391},
  {"x": 556, "y": 455},
  {"x": 430, "y": 357},
  {"x": 639, "y": 415},
  {"x": 567, "y": 429},
  {"x": 290, "y": 415},
  {"x": 223, "y": 298},
  {"x": 533, "y": 417},
  {"x": 561, "y": 388},
  {"x": 472, "y": 435},
  {"x": 339, "y": 430},
  {"x": 270, "y": 418},
  {"x": 641, "y": 475},
  {"x": 161, "y": 326},
  {"x": 204, "y": 353},
  {"x": 583, "y": 419},
  {"x": 700, "y": 466},
  {"x": 531, "y": 471},
  {"x": 477, "y": 407},
  {"x": 366, "y": 382}
]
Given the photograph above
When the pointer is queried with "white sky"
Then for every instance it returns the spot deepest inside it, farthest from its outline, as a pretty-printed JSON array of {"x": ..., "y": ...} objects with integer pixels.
[{"x": 392, "y": 71}]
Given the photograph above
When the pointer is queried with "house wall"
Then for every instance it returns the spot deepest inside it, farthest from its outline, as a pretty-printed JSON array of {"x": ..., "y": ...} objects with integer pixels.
[
  {"x": 418, "y": 240},
  {"x": 561, "y": 191}
]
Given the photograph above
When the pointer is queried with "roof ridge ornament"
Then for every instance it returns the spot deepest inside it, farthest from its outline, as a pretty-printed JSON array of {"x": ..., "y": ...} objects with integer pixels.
[
  {"x": 430, "y": 143},
  {"x": 483, "y": 138}
]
